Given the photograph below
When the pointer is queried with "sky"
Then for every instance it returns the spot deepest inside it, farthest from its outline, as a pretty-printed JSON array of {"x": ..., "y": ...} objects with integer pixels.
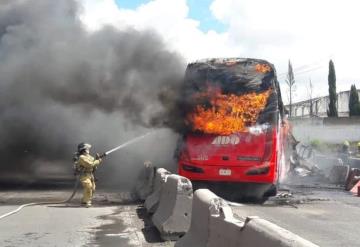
[
  {"x": 198, "y": 10},
  {"x": 308, "y": 33}
]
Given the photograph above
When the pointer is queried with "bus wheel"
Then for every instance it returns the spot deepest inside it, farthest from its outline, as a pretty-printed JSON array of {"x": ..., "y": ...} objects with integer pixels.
[{"x": 272, "y": 191}]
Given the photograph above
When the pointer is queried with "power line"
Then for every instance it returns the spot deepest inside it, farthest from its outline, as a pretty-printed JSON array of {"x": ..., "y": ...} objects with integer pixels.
[{"x": 304, "y": 71}]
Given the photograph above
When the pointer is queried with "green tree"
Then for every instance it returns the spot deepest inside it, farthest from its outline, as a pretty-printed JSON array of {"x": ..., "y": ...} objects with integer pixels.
[
  {"x": 290, "y": 81},
  {"x": 354, "y": 104},
  {"x": 332, "y": 111}
]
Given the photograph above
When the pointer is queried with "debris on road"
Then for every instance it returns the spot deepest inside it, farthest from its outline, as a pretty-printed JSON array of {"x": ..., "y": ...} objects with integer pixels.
[
  {"x": 284, "y": 198},
  {"x": 309, "y": 162}
]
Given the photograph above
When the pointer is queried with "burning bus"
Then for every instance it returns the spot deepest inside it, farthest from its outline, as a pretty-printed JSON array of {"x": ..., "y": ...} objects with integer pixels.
[{"x": 235, "y": 131}]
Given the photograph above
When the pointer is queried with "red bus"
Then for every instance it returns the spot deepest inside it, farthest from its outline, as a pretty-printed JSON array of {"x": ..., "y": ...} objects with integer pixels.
[{"x": 235, "y": 130}]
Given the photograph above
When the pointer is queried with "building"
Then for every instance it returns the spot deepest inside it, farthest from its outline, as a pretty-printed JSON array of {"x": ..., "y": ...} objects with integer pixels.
[{"x": 320, "y": 105}]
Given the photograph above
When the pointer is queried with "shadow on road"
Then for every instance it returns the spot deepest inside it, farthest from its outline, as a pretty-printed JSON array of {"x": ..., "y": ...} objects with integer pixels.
[{"x": 150, "y": 232}]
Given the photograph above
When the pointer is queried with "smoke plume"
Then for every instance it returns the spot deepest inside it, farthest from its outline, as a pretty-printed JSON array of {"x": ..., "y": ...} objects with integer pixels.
[{"x": 61, "y": 85}]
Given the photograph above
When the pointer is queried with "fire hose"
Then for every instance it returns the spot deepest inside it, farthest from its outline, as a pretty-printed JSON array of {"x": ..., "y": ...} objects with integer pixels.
[{"x": 76, "y": 184}]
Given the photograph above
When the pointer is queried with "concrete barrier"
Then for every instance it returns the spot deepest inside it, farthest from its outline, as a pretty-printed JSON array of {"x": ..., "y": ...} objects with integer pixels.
[
  {"x": 213, "y": 225},
  {"x": 172, "y": 217},
  {"x": 204, "y": 204},
  {"x": 145, "y": 185},
  {"x": 152, "y": 201},
  {"x": 253, "y": 232}
]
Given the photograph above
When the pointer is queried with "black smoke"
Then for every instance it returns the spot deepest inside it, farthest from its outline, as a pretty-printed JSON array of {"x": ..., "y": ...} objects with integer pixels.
[{"x": 61, "y": 84}]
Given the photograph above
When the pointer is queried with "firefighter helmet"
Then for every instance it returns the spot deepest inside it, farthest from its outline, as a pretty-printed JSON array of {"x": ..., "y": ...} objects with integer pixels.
[{"x": 83, "y": 146}]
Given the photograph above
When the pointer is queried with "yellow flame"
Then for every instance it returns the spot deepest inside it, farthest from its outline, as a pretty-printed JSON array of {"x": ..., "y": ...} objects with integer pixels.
[{"x": 228, "y": 113}]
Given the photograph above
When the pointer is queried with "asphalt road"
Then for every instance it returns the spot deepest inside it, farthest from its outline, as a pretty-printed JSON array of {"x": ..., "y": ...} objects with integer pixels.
[
  {"x": 114, "y": 220},
  {"x": 325, "y": 215}
]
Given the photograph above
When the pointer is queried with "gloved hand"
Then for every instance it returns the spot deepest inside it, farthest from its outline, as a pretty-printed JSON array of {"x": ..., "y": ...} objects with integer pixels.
[
  {"x": 100, "y": 156},
  {"x": 97, "y": 156}
]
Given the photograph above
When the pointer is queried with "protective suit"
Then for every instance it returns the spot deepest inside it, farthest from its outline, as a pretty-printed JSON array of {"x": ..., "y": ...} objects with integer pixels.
[
  {"x": 345, "y": 152},
  {"x": 358, "y": 150},
  {"x": 86, "y": 164}
]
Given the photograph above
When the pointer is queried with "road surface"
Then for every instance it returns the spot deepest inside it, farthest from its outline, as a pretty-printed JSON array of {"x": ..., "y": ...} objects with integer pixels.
[
  {"x": 114, "y": 220},
  {"x": 325, "y": 215}
]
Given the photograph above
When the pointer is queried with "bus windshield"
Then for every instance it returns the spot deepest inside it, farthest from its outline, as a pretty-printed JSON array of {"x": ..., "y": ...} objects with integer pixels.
[{"x": 230, "y": 95}]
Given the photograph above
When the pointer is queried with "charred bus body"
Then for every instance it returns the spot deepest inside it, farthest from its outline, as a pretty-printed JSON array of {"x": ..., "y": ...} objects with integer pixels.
[{"x": 235, "y": 134}]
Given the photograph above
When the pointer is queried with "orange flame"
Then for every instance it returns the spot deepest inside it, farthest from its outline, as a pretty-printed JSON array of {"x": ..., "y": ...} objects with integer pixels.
[
  {"x": 228, "y": 113},
  {"x": 263, "y": 68}
]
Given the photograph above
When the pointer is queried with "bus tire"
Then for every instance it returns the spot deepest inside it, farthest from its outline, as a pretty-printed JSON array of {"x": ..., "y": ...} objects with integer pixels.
[{"x": 272, "y": 191}]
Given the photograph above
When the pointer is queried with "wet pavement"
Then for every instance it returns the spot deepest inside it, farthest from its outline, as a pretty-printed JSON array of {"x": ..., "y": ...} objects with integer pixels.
[
  {"x": 322, "y": 213},
  {"x": 114, "y": 220}
]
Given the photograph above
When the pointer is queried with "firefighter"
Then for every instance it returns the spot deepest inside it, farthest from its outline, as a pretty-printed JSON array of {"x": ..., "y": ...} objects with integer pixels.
[
  {"x": 346, "y": 147},
  {"x": 358, "y": 150},
  {"x": 345, "y": 152},
  {"x": 86, "y": 164}
]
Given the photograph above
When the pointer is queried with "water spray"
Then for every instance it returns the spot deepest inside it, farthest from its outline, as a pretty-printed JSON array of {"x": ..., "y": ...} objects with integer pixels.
[{"x": 124, "y": 145}]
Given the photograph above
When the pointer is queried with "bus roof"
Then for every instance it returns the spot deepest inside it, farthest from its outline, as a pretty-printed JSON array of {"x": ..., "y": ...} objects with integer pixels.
[{"x": 235, "y": 76}]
